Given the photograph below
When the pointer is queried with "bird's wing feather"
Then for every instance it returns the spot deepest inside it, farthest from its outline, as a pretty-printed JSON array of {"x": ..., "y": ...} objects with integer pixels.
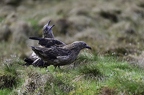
[
  {"x": 63, "y": 58},
  {"x": 54, "y": 52},
  {"x": 51, "y": 53},
  {"x": 35, "y": 38},
  {"x": 47, "y": 42}
]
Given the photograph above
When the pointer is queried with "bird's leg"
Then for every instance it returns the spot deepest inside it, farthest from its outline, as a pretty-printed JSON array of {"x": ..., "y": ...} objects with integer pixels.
[
  {"x": 59, "y": 67},
  {"x": 74, "y": 65},
  {"x": 56, "y": 67}
]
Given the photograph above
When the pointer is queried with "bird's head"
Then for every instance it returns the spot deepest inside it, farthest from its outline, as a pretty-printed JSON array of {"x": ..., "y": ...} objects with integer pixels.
[
  {"x": 47, "y": 31},
  {"x": 80, "y": 45}
]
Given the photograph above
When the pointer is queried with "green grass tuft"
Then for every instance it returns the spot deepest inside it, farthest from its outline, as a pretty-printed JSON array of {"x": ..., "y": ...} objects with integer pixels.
[
  {"x": 90, "y": 69},
  {"x": 5, "y": 92}
]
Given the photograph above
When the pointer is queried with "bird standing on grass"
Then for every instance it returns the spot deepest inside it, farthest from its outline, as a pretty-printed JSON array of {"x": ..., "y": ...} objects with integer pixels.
[
  {"x": 33, "y": 59},
  {"x": 59, "y": 56}
]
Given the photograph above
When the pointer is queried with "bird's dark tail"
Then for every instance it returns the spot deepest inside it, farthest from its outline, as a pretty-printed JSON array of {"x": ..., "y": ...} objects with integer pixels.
[{"x": 35, "y": 38}]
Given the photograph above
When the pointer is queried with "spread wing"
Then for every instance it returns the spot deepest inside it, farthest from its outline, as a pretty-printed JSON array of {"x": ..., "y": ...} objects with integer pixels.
[
  {"x": 48, "y": 42},
  {"x": 54, "y": 52}
]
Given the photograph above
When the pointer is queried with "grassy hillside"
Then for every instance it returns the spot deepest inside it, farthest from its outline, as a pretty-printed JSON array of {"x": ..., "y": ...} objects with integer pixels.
[
  {"x": 113, "y": 28},
  {"x": 91, "y": 75}
]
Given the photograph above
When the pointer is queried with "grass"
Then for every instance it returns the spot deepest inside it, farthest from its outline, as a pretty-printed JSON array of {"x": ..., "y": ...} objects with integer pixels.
[
  {"x": 5, "y": 92},
  {"x": 97, "y": 76},
  {"x": 35, "y": 26},
  {"x": 91, "y": 75},
  {"x": 1, "y": 19}
]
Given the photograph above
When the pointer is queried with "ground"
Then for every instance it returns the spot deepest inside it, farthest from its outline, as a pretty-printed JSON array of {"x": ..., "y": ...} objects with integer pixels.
[{"x": 114, "y": 30}]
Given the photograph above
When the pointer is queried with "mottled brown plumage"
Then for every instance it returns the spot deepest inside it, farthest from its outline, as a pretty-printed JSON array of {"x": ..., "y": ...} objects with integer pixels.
[
  {"x": 59, "y": 56},
  {"x": 33, "y": 59}
]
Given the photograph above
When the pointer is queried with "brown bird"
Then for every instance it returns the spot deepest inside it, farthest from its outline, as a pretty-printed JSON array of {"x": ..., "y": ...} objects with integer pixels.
[
  {"x": 33, "y": 59},
  {"x": 48, "y": 42},
  {"x": 59, "y": 56}
]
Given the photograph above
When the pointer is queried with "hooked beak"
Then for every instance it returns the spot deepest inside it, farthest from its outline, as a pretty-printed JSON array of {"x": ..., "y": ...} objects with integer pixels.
[{"x": 88, "y": 47}]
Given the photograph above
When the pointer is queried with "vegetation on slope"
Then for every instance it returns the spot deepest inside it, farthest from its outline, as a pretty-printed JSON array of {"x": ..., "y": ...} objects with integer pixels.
[
  {"x": 91, "y": 75},
  {"x": 111, "y": 27}
]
